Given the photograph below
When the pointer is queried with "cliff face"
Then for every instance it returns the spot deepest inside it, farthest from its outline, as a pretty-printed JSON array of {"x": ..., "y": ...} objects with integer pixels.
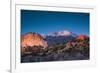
[{"x": 33, "y": 39}]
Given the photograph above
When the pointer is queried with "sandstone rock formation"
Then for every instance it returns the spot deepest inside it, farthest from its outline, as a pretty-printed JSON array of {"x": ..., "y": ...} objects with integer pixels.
[{"x": 33, "y": 39}]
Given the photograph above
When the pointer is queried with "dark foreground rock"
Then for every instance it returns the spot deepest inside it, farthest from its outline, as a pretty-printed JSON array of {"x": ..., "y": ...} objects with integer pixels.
[{"x": 66, "y": 56}]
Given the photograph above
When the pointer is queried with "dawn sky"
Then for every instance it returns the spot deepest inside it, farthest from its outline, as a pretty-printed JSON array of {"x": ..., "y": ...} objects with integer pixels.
[{"x": 45, "y": 22}]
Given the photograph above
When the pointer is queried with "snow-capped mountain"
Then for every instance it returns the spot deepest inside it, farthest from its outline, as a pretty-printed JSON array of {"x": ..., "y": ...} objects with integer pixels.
[
  {"x": 62, "y": 33},
  {"x": 59, "y": 37}
]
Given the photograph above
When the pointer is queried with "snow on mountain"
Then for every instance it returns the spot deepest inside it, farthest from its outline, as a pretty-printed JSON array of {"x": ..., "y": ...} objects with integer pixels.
[
  {"x": 62, "y": 33},
  {"x": 59, "y": 37}
]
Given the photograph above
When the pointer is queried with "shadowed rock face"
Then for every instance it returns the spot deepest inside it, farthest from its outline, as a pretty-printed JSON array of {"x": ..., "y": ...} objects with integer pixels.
[{"x": 32, "y": 39}]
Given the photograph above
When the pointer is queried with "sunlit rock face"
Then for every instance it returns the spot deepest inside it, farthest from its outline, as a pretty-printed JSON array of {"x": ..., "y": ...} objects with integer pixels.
[
  {"x": 33, "y": 39},
  {"x": 80, "y": 42},
  {"x": 81, "y": 37}
]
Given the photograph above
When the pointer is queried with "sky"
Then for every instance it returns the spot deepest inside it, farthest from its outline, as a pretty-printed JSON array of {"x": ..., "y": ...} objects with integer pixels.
[{"x": 45, "y": 22}]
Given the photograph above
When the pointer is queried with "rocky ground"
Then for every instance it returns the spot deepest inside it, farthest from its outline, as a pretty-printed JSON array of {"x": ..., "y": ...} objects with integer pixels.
[{"x": 65, "y": 56}]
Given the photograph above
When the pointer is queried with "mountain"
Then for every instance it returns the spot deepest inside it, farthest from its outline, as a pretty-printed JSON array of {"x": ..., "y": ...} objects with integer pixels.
[
  {"x": 33, "y": 39},
  {"x": 62, "y": 33},
  {"x": 59, "y": 37}
]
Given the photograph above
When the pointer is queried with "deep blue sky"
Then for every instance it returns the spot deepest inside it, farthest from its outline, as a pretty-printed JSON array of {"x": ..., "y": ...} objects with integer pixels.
[{"x": 45, "y": 22}]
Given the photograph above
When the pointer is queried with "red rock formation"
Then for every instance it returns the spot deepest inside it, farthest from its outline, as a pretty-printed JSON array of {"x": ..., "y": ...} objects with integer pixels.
[
  {"x": 81, "y": 37},
  {"x": 33, "y": 39}
]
